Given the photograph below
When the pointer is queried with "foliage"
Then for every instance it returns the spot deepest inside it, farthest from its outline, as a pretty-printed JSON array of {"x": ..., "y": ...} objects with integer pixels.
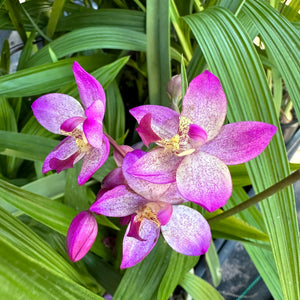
[{"x": 133, "y": 48}]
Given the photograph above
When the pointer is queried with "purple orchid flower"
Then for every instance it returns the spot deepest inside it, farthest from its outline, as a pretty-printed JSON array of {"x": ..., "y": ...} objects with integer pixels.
[
  {"x": 81, "y": 235},
  {"x": 62, "y": 114},
  {"x": 152, "y": 208},
  {"x": 194, "y": 148}
]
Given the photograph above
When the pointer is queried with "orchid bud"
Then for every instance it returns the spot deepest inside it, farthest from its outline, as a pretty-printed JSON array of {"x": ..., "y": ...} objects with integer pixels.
[
  {"x": 81, "y": 235},
  {"x": 174, "y": 88}
]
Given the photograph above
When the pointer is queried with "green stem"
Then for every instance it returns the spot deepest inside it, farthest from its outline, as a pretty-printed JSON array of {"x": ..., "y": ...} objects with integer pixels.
[{"x": 257, "y": 198}]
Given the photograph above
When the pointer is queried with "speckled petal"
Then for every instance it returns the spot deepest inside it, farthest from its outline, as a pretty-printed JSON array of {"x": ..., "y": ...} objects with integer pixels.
[
  {"x": 81, "y": 235},
  {"x": 145, "y": 131},
  {"x": 187, "y": 232},
  {"x": 52, "y": 110},
  {"x": 65, "y": 152},
  {"x": 240, "y": 142},
  {"x": 205, "y": 180},
  {"x": 118, "y": 157},
  {"x": 89, "y": 88},
  {"x": 150, "y": 191},
  {"x": 165, "y": 213},
  {"x": 172, "y": 195},
  {"x": 70, "y": 124},
  {"x": 135, "y": 250},
  {"x": 205, "y": 103},
  {"x": 164, "y": 121},
  {"x": 93, "y": 160},
  {"x": 113, "y": 179},
  {"x": 92, "y": 126},
  {"x": 157, "y": 166},
  {"x": 118, "y": 202}
]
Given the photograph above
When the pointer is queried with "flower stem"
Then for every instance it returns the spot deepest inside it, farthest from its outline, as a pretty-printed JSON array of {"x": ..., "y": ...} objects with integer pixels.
[
  {"x": 115, "y": 145},
  {"x": 257, "y": 198}
]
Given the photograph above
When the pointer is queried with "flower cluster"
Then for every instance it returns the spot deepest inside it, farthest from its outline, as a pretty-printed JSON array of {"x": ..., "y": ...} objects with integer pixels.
[{"x": 148, "y": 190}]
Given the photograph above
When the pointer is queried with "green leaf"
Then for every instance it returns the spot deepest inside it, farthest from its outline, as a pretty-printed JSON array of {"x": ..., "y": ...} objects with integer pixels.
[
  {"x": 21, "y": 238},
  {"x": 120, "y": 18},
  {"x": 213, "y": 263},
  {"x": 232, "y": 57},
  {"x": 198, "y": 288},
  {"x": 178, "y": 265},
  {"x": 25, "y": 146},
  {"x": 5, "y": 57},
  {"x": 100, "y": 37},
  {"x": 114, "y": 119},
  {"x": 158, "y": 50},
  {"x": 45, "y": 78},
  {"x": 57, "y": 9},
  {"x": 19, "y": 281},
  {"x": 50, "y": 213}
]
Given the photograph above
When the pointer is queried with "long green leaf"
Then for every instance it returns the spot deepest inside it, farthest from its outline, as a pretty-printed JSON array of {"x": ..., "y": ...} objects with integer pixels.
[
  {"x": 158, "y": 50},
  {"x": 57, "y": 9},
  {"x": 101, "y": 37},
  {"x": 46, "y": 78},
  {"x": 198, "y": 288},
  {"x": 19, "y": 281},
  {"x": 232, "y": 57}
]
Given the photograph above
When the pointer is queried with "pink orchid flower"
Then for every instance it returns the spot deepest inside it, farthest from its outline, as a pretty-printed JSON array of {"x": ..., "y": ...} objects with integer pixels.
[
  {"x": 62, "y": 114},
  {"x": 81, "y": 235},
  {"x": 194, "y": 148},
  {"x": 152, "y": 208}
]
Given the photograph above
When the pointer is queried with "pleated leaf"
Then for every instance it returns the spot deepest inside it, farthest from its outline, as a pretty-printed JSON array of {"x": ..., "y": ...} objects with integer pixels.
[{"x": 232, "y": 57}]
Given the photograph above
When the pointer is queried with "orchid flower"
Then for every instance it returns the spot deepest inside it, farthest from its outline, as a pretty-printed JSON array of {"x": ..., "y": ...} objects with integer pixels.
[
  {"x": 152, "y": 208},
  {"x": 194, "y": 148},
  {"x": 81, "y": 235},
  {"x": 62, "y": 114}
]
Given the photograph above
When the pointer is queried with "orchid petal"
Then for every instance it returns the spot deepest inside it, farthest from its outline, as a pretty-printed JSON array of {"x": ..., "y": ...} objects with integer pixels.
[
  {"x": 240, "y": 142},
  {"x": 92, "y": 126},
  {"x": 134, "y": 228},
  {"x": 53, "y": 110},
  {"x": 135, "y": 250},
  {"x": 65, "y": 152},
  {"x": 172, "y": 195},
  {"x": 197, "y": 133},
  {"x": 165, "y": 213},
  {"x": 157, "y": 166},
  {"x": 187, "y": 232},
  {"x": 89, "y": 88},
  {"x": 205, "y": 180},
  {"x": 145, "y": 131},
  {"x": 93, "y": 160},
  {"x": 164, "y": 121},
  {"x": 205, "y": 103},
  {"x": 150, "y": 191},
  {"x": 70, "y": 124},
  {"x": 81, "y": 235},
  {"x": 118, "y": 157},
  {"x": 113, "y": 179},
  {"x": 118, "y": 202}
]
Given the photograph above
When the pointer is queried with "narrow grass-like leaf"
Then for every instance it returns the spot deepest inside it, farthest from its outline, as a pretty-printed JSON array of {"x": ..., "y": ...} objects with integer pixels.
[
  {"x": 50, "y": 213},
  {"x": 57, "y": 9},
  {"x": 232, "y": 57},
  {"x": 178, "y": 265},
  {"x": 45, "y": 78},
  {"x": 121, "y": 18},
  {"x": 14, "y": 9},
  {"x": 5, "y": 57},
  {"x": 20, "y": 237},
  {"x": 25, "y": 146},
  {"x": 198, "y": 288},
  {"x": 158, "y": 50},
  {"x": 213, "y": 263},
  {"x": 282, "y": 43},
  {"x": 114, "y": 119},
  {"x": 18, "y": 281},
  {"x": 101, "y": 37}
]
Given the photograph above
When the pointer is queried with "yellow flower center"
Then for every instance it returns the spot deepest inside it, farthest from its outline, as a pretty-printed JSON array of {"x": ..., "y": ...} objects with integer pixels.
[{"x": 80, "y": 139}]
